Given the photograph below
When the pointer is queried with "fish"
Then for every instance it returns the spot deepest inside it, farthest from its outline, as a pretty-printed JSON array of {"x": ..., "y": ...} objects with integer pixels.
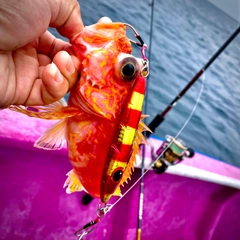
[{"x": 102, "y": 123}]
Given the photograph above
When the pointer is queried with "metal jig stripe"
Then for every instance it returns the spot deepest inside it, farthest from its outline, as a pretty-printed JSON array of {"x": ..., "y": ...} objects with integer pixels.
[
  {"x": 128, "y": 135},
  {"x": 136, "y": 101},
  {"x": 115, "y": 164}
]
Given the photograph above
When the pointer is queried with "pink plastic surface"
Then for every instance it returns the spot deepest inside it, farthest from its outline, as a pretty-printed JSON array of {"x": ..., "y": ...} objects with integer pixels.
[{"x": 33, "y": 204}]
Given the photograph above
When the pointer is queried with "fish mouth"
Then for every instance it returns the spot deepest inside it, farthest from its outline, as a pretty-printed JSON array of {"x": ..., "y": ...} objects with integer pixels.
[
  {"x": 86, "y": 107},
  {"x": 106, "y": 198}
]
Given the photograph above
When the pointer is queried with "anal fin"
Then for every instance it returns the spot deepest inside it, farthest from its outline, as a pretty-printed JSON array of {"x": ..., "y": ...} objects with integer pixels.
[{"x": 73, "y": 183}]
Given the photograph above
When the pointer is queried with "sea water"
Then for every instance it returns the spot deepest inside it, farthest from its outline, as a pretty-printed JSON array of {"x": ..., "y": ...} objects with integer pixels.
[{"x": 185, "y": 34}]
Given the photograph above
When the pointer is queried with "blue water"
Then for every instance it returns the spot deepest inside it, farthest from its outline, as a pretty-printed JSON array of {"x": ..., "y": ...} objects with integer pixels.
[{"x": 185, "y": 35}]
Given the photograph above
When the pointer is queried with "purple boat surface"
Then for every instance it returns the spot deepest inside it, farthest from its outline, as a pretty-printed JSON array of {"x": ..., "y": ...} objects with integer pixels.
[{"x": 196, "y": 199}]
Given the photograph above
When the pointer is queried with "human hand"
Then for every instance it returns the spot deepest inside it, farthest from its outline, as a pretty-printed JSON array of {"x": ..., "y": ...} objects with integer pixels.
[{"x": 35, "y": 67}]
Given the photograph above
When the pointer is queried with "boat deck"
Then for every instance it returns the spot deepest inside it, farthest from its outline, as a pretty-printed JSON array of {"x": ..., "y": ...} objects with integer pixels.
[{"x": 34, "y": 205}]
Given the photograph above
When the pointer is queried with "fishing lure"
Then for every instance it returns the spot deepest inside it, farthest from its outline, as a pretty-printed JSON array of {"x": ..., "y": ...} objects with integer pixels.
[{"x": 102, "y": 122}]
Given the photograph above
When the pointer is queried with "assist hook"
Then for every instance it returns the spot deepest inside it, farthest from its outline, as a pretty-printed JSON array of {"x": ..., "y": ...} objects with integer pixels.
[
  {"x": 102, "y": 209},
  {"x": 145, "y": 68}
]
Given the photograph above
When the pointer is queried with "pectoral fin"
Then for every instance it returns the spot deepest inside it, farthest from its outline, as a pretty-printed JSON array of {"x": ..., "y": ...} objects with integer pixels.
[{"x": 54, "y": 138}]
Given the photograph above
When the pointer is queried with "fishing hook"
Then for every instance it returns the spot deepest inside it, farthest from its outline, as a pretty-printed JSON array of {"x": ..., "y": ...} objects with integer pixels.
[
  {"x": 141, "y": 42},
  {"x": 102, "y": 209},
  {"x": 145, "y": 67}
]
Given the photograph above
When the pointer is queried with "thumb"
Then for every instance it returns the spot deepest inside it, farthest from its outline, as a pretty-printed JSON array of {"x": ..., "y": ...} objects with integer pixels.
[{"x": 66, "y": 18}]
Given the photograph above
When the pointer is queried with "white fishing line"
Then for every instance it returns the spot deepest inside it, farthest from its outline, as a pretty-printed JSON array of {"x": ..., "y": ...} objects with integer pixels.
[{"x": 179, "y": 132}]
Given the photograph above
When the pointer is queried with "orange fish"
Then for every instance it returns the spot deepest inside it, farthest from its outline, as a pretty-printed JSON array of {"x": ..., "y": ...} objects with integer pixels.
[{"x": 102, "y": 122}]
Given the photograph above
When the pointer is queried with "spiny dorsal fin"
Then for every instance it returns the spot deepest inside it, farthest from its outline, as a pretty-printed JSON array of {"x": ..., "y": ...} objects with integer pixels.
[
  {"x": 139, "y": 139},
  {"x": 142, "y": 126}
]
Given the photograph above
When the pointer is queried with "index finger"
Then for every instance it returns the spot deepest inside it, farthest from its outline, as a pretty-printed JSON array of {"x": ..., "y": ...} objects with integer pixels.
[{"x": 67, "y": 18}]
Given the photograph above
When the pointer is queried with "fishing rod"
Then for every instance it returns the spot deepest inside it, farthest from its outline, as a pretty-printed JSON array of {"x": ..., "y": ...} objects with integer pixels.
[{"x": 160, "y": 117}]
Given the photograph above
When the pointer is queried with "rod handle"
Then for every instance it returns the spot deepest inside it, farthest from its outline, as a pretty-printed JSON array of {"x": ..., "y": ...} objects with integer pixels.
[
  {"x": 139, "y": 234},
  {"x": 154, "y": 124}
]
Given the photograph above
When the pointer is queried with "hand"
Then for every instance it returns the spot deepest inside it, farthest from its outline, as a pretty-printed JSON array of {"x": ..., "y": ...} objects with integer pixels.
[{"x": 35, "y": 67}]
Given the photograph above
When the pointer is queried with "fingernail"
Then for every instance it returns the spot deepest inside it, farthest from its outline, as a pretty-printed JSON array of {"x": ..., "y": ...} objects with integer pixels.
[
  {"x": 70, "y": 67},
  {"x": 54, "y": 72}
]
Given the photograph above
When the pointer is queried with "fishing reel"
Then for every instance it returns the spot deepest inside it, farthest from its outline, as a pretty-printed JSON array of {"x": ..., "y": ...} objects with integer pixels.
[{"x": 171, "y": 152}]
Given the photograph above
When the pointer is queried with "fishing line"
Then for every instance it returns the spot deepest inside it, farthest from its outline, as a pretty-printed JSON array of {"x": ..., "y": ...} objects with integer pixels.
[
  {"x": 175, "y": 101},
  {"x": 103, "y": 209},
  {"x": 141, "y": 190},
  {"x": 179, "y": 132},
  {"x": 190, "y": 116}
]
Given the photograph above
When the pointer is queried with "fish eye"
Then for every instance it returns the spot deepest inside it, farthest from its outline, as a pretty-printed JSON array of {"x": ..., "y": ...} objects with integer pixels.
[
  {"x": 127, "y": 68},
  {"x": 117, "y": 175}
]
